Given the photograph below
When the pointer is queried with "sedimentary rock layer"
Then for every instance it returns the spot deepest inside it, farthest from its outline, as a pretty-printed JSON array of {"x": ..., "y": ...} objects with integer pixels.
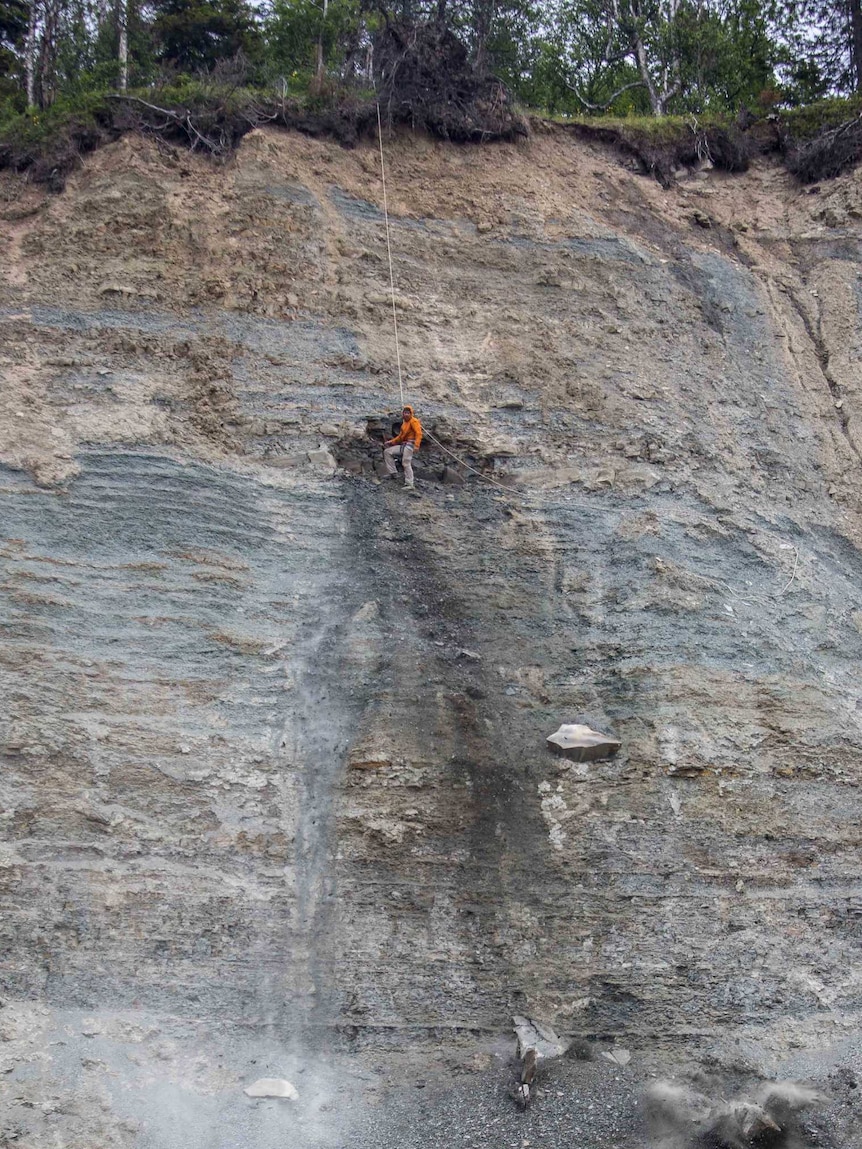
[{"x": 273, "y": 739}]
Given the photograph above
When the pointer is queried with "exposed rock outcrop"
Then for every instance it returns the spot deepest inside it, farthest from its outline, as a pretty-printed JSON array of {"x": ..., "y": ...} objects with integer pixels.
[{"x": 197, "y": 641}]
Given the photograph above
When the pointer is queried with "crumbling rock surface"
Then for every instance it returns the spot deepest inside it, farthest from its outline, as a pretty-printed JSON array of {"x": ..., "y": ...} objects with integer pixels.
[{"x": 201, "y": 631}]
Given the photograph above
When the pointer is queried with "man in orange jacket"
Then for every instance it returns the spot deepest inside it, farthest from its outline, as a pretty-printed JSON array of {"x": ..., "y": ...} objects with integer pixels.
[{"x": 406, "y": 442}]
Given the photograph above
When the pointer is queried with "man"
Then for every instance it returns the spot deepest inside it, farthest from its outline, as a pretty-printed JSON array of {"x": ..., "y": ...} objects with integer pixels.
[{"x": 406, "y": 442}]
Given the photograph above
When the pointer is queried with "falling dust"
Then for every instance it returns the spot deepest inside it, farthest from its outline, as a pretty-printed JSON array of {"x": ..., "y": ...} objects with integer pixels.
[{"x": 705, "y": 1115}]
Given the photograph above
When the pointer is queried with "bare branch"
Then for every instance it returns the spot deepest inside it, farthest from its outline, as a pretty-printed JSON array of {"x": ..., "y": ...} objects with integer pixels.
[
  {"x": 603, "y": 107},
  {"x": 137, "y": 100}
]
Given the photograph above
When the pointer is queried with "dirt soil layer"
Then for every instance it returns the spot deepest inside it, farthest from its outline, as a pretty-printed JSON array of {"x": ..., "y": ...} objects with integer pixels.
[{"x": 276, "y": 797}]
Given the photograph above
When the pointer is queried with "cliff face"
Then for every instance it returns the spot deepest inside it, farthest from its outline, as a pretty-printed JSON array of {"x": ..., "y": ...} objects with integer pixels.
[{"x": 273, "y": 737}]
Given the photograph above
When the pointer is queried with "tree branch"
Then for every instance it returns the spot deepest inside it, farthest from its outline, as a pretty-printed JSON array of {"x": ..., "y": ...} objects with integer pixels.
[{"x": 603, "y": 107}]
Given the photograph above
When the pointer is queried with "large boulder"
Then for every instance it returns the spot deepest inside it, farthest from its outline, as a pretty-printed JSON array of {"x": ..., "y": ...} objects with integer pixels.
[{"x": 582, "y": 744}]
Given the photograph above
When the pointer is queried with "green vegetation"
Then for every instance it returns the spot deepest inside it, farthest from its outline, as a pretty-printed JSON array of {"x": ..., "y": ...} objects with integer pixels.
[{"x": 671, "y": 82}]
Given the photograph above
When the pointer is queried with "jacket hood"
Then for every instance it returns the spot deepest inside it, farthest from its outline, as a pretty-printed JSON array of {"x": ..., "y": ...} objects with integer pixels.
[{"x": 407, "y": 407}]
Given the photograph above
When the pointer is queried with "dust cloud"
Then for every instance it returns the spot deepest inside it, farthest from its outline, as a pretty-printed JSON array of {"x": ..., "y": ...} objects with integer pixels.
[{"x": 683, "y": 1116}]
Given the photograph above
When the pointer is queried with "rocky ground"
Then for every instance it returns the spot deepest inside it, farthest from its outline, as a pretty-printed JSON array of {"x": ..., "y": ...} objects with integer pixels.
[{"x": 275, "y": 793}]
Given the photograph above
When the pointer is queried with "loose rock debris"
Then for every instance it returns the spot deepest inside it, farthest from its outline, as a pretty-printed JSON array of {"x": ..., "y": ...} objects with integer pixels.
[{"x": 676, "y": 1110}]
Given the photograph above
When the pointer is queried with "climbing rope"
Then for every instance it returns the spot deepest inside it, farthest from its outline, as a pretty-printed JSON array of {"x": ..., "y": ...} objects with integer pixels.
[
  {"x": 472, "y": 470},
  {"x": 389, "y": 253},
  {"x": 427, "y": 434}
]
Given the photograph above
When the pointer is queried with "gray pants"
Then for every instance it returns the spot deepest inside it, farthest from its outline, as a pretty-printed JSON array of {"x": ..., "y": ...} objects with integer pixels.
[{"x": 405, "y": 450}]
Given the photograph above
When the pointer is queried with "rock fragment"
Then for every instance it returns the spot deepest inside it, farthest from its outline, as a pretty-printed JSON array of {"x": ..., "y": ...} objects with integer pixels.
[
  {"x": 272, "y": 1087},
  {"x": 582, "y": 743},
  {"x": 521, "y": 1094},
  {"x": 538, "y": 1036},
  {"x": 322, "y": 458}
]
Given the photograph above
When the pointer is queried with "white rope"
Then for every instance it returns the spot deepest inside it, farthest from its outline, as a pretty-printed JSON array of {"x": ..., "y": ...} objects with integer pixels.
[
  {"x": 389, "y": 253},
  {"x": 427, "y": 434},
  {"x": 481, "y": 474},
  {"x": 786, "y": 588}
]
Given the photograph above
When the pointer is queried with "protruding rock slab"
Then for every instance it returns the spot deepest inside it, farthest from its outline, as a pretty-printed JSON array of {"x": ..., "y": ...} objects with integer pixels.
[
  {"x": 582, "y": 744},
  {"x": 322, "y": 457},
  {"x": 367, "y": 756},
  {"x": 537, "y": 1035},
  {"x": 272, "y": 1087}
]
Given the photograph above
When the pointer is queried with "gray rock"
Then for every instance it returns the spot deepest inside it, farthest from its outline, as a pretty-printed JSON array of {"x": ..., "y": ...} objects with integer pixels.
[
  {"x": 287, "y": 462},
  {"x": 582, "y": 744},
  {"x": 537, "y": 1035},
  {"x": 322, "y": 458},
  {"x": 272, "y": 1087}
]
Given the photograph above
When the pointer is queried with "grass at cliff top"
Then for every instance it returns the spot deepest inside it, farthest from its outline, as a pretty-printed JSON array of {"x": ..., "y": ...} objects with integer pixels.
[
  {"x": 803, "y": 123},
  {"x": 50, "y": 143},
  {"x": 100, "y": 108}
]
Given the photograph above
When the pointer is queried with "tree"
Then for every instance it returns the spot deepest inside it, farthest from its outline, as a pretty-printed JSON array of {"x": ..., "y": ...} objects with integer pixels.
[
  {"x": 610, "y": 47},
  {"x": 822, "y": 46},
  {"x": 323, "y": 35},
  {"x": 661, "y": 55},
  {"x": 13, "y": 29},
  {"x": 123, "y": 43},
  {"x": 30, "y": 52},
  {"x": 728, "y": 58},
  {"x": 193, "y": 35}
]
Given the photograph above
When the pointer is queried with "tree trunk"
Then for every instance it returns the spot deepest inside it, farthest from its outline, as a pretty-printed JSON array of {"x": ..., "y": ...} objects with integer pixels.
[
  {"x": 320, "y": 43},
  {"x": 655, "y": 101},
  {"x": 659, "y": 98},
  {"x": 48, "y": 53},
  {"x": 30, "y": 54},
  {"x": 483, "y": 19},
  {"x": 855, "y": 9},
  {"x": 123, "y": 42}
]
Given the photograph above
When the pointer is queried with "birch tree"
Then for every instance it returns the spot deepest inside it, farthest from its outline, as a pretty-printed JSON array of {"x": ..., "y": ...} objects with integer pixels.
[
  {"x": 320, "y": 59},
  {"x": 31, "y": 52},
  {"x": 123, "y": 43},
  {"x": 649, "y": 32},
  {"x": 662, "y": 55}
]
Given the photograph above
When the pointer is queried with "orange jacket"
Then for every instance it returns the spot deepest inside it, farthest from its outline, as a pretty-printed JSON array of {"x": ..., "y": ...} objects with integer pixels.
[{"x": 410, "y": 429}]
